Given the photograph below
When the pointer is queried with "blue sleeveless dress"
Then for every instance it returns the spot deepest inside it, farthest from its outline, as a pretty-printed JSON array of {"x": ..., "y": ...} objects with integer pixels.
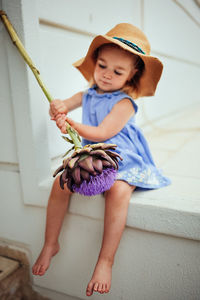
[{"x": 137, "y": 167}]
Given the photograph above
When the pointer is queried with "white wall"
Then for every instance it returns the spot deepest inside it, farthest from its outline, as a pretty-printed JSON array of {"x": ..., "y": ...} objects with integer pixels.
[
  {"x": 29, "y": 140},
  {"x": 175, "y": 39}
]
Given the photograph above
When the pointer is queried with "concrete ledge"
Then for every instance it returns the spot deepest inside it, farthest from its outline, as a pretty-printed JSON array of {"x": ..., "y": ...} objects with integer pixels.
[
  {"x": 146, "y": 214},
  {"x": 172, "y": 210}
]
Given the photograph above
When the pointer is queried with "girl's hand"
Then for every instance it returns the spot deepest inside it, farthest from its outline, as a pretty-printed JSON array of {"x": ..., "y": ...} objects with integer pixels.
[
  {"x": 61, "y": 122},
  {"x": 57, "y": 107}
]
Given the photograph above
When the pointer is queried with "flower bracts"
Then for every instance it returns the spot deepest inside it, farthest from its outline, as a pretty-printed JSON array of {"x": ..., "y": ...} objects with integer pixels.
[{"x": 90, "y": 170}]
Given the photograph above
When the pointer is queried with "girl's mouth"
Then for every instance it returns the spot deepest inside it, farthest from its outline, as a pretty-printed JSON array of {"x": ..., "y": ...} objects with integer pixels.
[{"x": 105, "y": 82}]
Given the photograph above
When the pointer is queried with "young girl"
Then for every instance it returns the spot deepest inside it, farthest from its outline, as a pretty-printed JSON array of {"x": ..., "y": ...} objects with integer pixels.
[{"x": 120, "y": 68}]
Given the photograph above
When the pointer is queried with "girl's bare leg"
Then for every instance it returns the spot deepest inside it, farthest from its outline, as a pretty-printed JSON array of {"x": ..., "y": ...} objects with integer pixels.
[
  {"x": 116, "y": 208},
  {"x": 56, "y": 209}
]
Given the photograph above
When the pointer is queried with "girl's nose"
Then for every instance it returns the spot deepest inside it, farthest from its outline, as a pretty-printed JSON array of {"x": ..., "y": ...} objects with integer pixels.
[{"x": 107, "y": 74}]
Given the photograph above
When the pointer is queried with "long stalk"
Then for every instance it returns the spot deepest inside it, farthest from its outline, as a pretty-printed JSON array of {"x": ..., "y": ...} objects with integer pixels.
[{"x": 15, "y": 39}]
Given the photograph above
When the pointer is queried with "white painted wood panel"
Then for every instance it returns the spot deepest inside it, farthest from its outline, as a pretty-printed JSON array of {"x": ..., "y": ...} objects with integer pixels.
[
  {"x": 176, "y": 91},
  {"x": 171, "y": 31},
  {"x": 8, "y": 150},
  {"x": 91, "y": 15}
]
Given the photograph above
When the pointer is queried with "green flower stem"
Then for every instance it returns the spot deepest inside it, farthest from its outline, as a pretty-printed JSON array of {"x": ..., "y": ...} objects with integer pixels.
[{"x": 14, "y": 37}]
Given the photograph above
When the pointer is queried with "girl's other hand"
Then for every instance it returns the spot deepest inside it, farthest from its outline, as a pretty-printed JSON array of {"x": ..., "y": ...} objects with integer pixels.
[
  {"x": 61, "y": 122},
  {"x": 71, "y": 122},
  {"x": 57, "y": 107}
]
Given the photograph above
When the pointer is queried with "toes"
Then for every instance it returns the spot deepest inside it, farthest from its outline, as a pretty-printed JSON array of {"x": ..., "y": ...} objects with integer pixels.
[
  {"x": 41, "y": 271},
  {"x": 100, "y": 287},
  {"x": 96, "y": 286},
  {"x": 103, "y": 289},
  {"x": 89, "y": 290},
  {"x": 33, "y": 269},
  {"x": 38, "y": 270},
  {"x": 106, "y": 288}
]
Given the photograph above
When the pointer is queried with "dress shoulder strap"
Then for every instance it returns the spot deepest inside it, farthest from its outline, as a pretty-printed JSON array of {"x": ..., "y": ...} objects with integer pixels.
[{"x": 123, "y": 95}]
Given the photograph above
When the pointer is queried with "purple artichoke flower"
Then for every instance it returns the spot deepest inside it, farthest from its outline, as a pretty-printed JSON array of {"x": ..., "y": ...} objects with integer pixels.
[
  {"x": 97, "y": 184},
  {"x": 90, "y": 170}
]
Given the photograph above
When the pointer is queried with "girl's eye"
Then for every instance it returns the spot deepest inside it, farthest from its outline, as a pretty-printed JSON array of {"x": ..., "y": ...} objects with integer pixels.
[
  {"x": 102, "y": 66},
  {"x": 117, "y": 73}
]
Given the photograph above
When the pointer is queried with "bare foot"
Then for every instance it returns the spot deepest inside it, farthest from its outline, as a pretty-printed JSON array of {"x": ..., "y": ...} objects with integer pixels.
[
  {"x": 44, "y": 259},
  {"x": 101, "y": 278}
]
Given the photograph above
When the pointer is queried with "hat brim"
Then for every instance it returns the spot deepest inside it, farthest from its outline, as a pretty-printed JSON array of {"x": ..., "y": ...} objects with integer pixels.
[{"x": 149, "y": 80}]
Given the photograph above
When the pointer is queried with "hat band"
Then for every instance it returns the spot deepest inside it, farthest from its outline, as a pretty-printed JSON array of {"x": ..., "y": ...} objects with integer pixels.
[{"x": 130, "y": 44}]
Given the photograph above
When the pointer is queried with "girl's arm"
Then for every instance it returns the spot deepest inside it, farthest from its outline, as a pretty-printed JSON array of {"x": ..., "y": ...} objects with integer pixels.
[
  {"x": 64, "y": 106},
  {"x": 73, "y": 102},
  {"x": 110, "y": 126}
]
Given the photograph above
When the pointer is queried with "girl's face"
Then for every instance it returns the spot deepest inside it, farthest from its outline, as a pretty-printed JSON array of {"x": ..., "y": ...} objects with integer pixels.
[{"x": 114, "y": 67}]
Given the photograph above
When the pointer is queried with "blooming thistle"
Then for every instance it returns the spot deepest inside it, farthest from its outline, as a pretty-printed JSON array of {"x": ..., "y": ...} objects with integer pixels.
[{"x": 90, "y": 170}]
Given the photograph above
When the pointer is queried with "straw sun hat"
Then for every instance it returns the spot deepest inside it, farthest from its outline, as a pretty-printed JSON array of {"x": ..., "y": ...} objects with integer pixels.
[{"x": 133, "y": 40}]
